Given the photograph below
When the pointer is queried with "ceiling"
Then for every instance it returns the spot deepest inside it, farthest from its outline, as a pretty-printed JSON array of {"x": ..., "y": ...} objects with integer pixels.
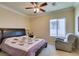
[{"x": 20, "y": 7}]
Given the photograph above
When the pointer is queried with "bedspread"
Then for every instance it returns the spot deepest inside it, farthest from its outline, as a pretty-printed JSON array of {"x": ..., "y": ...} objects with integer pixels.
[{"x": 18, "y": 47}]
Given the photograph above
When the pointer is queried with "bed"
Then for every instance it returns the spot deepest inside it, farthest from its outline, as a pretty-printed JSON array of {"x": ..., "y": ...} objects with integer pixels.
[{"x": 15, "y": 43}]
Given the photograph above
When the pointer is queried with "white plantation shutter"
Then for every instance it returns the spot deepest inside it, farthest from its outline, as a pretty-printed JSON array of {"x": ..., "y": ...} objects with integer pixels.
[
  {"x": 58, "y": 27},
  {"x": 53, "y": 27}
]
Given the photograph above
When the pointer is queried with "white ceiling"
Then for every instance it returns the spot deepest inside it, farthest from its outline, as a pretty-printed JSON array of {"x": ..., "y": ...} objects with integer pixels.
[{"x": 20, "y": 7}]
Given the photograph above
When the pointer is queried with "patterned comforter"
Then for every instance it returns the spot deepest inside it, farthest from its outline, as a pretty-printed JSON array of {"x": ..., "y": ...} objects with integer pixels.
[{"x": 21, "y": 46}]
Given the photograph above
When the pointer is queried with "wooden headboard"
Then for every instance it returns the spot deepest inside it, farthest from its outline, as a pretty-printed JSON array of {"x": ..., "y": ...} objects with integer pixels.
[{"x": 11, "y": 32}]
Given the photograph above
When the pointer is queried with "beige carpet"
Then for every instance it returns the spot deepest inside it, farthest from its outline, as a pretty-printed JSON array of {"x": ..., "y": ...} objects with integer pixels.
[{"x": 50, "y": 51}]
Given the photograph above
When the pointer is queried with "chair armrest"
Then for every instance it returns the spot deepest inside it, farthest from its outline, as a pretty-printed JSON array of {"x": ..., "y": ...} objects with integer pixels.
[
  {"x": 62, "y": 42},
  {"x": 60, "y": 38}
]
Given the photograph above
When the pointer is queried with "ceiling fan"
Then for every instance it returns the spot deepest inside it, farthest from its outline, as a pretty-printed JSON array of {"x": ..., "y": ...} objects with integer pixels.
[{"x": 37, "y": 7}]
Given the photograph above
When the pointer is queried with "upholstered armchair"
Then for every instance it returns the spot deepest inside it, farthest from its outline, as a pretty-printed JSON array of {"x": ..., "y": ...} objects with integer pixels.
[{"x": 67, "y": 44}]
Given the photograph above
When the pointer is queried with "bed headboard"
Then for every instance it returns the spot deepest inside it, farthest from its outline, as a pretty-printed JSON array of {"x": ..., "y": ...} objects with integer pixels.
[{"x": 11, "y": 32}]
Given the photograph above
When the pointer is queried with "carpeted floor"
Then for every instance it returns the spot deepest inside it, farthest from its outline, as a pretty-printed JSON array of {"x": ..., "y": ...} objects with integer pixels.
[{"x": 50, "y": 51}]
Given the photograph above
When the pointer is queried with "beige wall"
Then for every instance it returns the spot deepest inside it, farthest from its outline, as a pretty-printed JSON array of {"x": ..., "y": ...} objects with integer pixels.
[
  {"x": 40, "y": 24},
  {"x": 9, "y": 19},
  {"x": 76, "y": 19},
  {"x": 76, "y": 23}
]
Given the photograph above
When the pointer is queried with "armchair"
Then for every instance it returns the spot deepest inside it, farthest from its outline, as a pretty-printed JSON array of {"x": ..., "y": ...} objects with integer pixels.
[{"x": 66, "y": 44}]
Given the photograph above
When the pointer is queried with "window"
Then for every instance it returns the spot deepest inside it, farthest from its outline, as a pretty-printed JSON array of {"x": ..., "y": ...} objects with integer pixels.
[{"x": 58, "y": 27}]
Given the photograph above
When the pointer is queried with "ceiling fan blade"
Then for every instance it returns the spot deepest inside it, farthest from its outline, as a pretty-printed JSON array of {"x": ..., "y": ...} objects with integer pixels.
[
  {"x": 42, "y": 10},
  {"x": 43, "y": 4},
  {"x": 29, "y": 8},
  {"x": 34, "y": 3}
]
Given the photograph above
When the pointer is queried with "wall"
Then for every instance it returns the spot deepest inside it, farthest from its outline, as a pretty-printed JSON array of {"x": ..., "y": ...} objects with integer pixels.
[
  {"x": 40, "y": 24},
  {"x": 76, "y": 23},
  {"x": 9, "y": 19},
  {"x": 76, "y": 19}
]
